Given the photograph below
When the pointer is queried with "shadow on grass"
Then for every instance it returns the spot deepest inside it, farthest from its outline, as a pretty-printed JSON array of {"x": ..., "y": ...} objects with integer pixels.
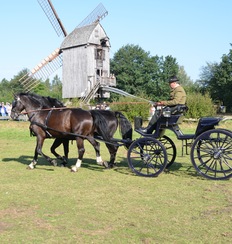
[
  {"x": 87, "y": 163},
  {"x": 179, "y": 169},
  {"x": 121, "y": 167}
]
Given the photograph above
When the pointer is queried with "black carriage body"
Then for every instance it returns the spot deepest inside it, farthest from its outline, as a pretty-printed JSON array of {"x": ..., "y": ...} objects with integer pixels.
[
  {"x": 211, "y": 148},
  {"x": 172, "y": 123}
]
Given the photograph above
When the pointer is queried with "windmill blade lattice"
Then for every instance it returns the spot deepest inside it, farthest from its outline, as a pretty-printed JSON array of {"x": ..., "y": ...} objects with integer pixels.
[
  {"x": 96, "y": 15},
  {"x": 50, "y": 12},
  {"x": 43, "y": 70}
]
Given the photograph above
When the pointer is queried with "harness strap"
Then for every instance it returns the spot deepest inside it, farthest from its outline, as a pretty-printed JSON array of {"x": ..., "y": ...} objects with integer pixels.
[{"x": 46, "y": 121}]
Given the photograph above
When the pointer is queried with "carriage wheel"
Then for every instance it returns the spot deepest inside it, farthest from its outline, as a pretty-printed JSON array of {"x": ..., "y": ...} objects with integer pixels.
[
  {"x": 219, "y": 169},
  {"x": 147, "y": 157},
  {"x": 170, "y": 148},
  {"x": 211, "y": 154}
]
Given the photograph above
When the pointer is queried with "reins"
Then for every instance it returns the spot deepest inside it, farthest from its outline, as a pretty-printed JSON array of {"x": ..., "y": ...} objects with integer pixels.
[{"x": 43, "y": 109}]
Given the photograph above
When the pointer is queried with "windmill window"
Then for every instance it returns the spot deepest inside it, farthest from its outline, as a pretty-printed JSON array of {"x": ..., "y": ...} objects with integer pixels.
[
  {"x": 104, "y": 42},
  {"x": 99, "y": 54},
  {"x": 96, "y": 33}
]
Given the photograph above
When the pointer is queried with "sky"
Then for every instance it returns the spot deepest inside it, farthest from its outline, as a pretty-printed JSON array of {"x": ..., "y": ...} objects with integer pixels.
[{"x": 195, "y": 32}]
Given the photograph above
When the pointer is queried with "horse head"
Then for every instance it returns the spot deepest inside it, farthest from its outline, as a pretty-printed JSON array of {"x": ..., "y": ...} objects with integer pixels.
[
  {"x": 17, "y": 107},
  {"x": 23, "y": 101}
]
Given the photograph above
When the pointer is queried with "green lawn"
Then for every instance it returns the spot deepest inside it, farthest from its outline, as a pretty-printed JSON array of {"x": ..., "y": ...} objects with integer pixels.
[{"x": 52, "y": 205}]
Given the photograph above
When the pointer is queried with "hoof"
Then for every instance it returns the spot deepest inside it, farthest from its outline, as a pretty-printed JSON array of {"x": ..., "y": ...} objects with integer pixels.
[
  {"x": 105, "y": 164},
  {"x": 65, "y": 160},
  {"x": 111, "y": 166},
  {"x": 28, "y": 167},
  {"x": 63, "y": 165},
  {"x": 54, "y": 162},
  {"x": 74, "y": 169}
]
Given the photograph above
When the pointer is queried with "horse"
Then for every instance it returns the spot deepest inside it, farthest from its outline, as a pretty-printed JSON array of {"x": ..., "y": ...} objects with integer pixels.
[
  {"x": 68, "y": 124},
  {"x": 42, "y": 102},
  {"x": 114, "y": 119}
]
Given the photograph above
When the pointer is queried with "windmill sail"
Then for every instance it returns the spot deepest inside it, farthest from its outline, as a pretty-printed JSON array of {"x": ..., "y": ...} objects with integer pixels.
[
  {"x": 52, "y": 15},
  {"x": 96, "y": 15},
  {"x": 43, "y": 70}
]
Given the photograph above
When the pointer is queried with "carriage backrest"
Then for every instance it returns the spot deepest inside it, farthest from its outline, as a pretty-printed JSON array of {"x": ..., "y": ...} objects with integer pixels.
[{"x": 206, "y": 123}]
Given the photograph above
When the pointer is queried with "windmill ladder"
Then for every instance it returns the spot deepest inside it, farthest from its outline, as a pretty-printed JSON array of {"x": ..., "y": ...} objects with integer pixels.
[{"x": 90, "y": 95}]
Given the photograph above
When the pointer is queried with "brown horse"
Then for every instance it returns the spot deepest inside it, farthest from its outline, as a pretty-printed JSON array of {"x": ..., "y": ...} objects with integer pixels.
[
  {"x": 42, "y": 102},
  {"x": 69, "y": 124}
]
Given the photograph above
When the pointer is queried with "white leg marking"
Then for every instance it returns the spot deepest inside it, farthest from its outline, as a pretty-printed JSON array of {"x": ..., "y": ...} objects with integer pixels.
[
  {"x": 78, "y": 163},
  {"x": 31, "y": 165},
  {"x": 99, "y": 159}
]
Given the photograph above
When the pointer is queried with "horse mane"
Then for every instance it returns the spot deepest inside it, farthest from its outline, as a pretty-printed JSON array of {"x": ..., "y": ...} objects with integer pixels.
[
  {"x": 44, "y": 102},
  {"x": 55, "y": 102}
]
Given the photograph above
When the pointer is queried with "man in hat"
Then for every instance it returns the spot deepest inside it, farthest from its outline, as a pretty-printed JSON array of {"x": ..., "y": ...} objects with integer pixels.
[{"x": 177, "y": 98}]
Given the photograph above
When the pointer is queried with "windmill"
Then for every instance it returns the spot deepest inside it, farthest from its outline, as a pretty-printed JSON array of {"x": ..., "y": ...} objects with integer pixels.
[{"x": 91, "y": 29}]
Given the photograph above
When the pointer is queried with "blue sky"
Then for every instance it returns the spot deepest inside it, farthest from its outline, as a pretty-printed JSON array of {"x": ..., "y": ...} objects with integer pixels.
[{"x": 192, "y": 31}]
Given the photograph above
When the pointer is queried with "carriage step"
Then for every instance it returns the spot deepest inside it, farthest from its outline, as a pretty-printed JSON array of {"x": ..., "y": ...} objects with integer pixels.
[{"x": 186, "y": 136}]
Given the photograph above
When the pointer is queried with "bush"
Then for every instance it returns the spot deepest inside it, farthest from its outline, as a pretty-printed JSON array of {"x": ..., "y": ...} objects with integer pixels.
[
  {"x": 131, "y": 108},
  {"x": 199, "y": 106}
]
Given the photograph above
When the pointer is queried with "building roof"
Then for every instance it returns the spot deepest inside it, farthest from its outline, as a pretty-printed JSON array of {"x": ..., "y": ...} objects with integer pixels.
[{"x": 83, "y": 35}]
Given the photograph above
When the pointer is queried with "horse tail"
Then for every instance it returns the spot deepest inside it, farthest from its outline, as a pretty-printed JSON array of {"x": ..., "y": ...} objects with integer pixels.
[
  {"x": 101, "y": 125},
  {"x": 125, "y": 127}
]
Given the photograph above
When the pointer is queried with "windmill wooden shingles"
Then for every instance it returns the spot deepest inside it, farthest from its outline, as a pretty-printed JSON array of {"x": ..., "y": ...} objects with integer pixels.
[{"x": 86, "y": 61}]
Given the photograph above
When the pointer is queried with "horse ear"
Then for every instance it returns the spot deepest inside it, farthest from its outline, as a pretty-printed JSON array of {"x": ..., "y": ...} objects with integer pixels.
[{"x": 14, "y": 95}]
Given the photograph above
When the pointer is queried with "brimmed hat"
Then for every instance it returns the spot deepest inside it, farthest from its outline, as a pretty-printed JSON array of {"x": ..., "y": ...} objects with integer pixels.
[{"x": 173, "y": 79}]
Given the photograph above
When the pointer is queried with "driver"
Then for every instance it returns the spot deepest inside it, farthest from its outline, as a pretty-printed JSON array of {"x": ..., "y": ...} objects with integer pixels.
[{"x": 177, "y": 98}]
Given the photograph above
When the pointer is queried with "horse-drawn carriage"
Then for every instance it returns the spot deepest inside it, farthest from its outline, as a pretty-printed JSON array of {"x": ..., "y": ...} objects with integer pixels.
[
  {"x": 149, "y": 155},
  {"x": 211, "y": 148}
]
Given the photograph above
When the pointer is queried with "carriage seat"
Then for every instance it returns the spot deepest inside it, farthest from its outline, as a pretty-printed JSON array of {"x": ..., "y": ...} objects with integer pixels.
[{"x": 206, "y": 123}]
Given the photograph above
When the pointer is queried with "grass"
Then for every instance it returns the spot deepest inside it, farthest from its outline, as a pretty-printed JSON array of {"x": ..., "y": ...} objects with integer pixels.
[{"x": 53, "y": 205}]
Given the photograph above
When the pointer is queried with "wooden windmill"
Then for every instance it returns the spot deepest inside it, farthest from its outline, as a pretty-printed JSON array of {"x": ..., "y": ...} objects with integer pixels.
[{"x": 84, "y": 55}]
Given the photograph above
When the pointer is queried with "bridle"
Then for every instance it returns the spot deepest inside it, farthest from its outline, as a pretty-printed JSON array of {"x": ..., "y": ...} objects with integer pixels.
[{"x": 31, "y": 111}]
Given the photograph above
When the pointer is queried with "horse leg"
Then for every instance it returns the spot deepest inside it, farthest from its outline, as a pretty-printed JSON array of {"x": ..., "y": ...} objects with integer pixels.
[
  {"x": 113, "y": 151},
  {"x": 56, "y": 144},
  {"x": 33, "y": 163},
  {"x": 66, "y": 151},
  {"x": 38, "y": 151},
  {"x": 96, "y": 146},
  {"x": 81, "y": 151}
]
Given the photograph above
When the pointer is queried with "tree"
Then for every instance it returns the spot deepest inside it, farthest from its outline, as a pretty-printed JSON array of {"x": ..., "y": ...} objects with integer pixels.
[
  {"x": 137, "y": 72},
  {"x": 56, "y": 87},
  {"x": 207, "y": 73},
  {"x": 168, "y": 67},
  {"x": 8, "y": 88},
  {"x": 217, "y": 80},
  {"x": 131, "y": 65}
]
